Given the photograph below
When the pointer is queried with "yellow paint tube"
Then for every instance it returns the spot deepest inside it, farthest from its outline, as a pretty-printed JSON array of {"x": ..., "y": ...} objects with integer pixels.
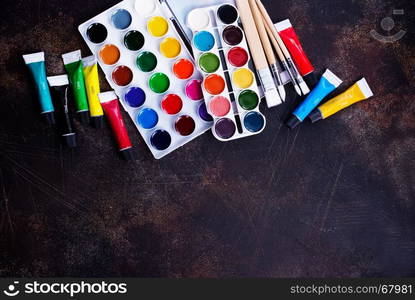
[
  {"x": 358, "y": 92},
  {"x": 92, "y": 88}
]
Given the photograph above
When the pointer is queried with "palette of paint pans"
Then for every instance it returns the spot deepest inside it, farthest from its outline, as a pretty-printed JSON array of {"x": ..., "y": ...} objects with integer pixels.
[
  {"x": 147, "y": 65},
  {"x": 229, "y": 86}
]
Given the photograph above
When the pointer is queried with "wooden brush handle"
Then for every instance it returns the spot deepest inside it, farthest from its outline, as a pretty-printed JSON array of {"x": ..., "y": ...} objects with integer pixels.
[
  {"x": 266, "y": 44},
  {"x": 252, "y": 34},
  {"x": 273, "y": 30},
  {"x": 275, "y": 43}
]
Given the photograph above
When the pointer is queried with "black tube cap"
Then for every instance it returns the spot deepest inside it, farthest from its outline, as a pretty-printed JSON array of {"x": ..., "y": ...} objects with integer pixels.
[
  {"x": 127, "y": 154},
  {"x": 311, "y": 79},
  {"x": 315, "y": 116},
  {"x": 70, "y": 140},
  {"x": 49, "y": 118},
  {"x": 97, "y": 122},
  {"x": 84, "y": 117},
  {"x": 293, "y": 122}
]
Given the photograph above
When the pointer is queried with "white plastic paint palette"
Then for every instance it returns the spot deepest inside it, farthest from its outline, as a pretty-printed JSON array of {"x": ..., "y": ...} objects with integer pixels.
[
  {"x": 229, "y": 86},
  {"x": 148, "y": 66}
]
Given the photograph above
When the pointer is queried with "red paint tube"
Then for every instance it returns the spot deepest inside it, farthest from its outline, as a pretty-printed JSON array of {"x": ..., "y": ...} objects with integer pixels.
[
  {"x": 291, "y": 40},
  {"x": 111, "y": 106}
]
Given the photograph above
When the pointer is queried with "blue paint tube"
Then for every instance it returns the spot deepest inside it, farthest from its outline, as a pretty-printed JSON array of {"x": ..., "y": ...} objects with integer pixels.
[
  {"x": 36, "y": 64},
  {"x": 328, "y": 83}
]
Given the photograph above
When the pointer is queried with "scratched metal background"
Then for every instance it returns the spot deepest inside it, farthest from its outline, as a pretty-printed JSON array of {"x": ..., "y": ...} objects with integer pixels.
[{"x": 334, "y": 199}]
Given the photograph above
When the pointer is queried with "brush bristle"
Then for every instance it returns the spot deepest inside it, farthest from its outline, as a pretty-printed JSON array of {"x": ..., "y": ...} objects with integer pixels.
[
  {"x": 273, "y": 98},
  {"x": 281, "y": 91},
  {"x": 304, "y": 88},
  {"x": 297, "y": 89}
]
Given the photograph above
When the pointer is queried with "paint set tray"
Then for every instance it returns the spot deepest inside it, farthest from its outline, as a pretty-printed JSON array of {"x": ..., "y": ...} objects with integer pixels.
[
  {"x": 148, "y": 66},
  {"x": 229, "y": 86}
]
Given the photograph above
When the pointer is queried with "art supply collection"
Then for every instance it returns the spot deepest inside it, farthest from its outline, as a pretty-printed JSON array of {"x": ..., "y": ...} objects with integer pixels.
[
  {"x": 150, "y": 70},
  {"x": 175, "y": 87}
]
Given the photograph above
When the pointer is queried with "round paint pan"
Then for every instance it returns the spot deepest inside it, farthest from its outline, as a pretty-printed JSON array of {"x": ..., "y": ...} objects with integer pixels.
[
  {"x": 243, "y": 78},
  {"x": 121, "y": 19},
  {"x": 185, "y": 125},
  {"x": 157, "y": 26},
  {"x": 109, "y": 54},
  {"x": 170, "y": 47},
  {"x": 248, "y": 99},
  {"x": 203, "y": 113},
  {"x": 214, "y": 84},
  {"x": 159, "y": 83},
  {"x": 193, "y": 90},
  {"x": 227, "y": 14},
  {"x": 204, "y": 41},
  {"x": 198, "y": 19},
  {"x": 134, "y": 40},
  {"x": 122, "y": 76},
  {"x": 238, "y": 57},
  {"x": 145, "y": 8},
  {"x": 225, "y": 128},
  {"x": 160, "y": 140},
  {"x": 146, "y": 61},
  {"x": 220, "y": 106},
  {"x": 232, "y": 35},
  {"x": 183, "y": 68},
  {"x": 147, "y": 118},
  {"x": 172, "y": 104},
  {"x": 97, "y": 33},
  {"x": 254, "y": 121},
  {"x": 209, "y": 62},
  {"x": 135, "y": 97}
]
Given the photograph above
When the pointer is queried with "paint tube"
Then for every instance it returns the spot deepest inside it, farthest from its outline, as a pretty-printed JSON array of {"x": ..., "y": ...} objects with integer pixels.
[
  {"x": 328, "y": 83},
  {"x": 90, "y": 69},
  {"x": 60, "y": 87},
  {"x": 36, "y": 64},
  {"x": 291, "y": 40},
  {"x": 358, "y": 92},
  {"x": 109, "y": 102},
  {"x": 73, "y": 66}
]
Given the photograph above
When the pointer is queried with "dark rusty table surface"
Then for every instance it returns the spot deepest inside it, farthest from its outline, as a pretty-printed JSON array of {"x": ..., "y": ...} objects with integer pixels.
[{"x": 333, "y": 199}]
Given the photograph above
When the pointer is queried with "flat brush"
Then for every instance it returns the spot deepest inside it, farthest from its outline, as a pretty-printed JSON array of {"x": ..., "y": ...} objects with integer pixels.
[
  {"x": 283, "y": 59},
  {"x": 301, "y": 87},
  {"x": 266, "y": 44},
  {"x": 267, "y": 81}
]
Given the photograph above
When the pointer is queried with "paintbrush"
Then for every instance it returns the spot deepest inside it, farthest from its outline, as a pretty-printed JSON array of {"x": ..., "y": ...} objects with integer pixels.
[
  {"x": 266, "y": 44},
  {"x": 283, "y": 59},
  {"x": 261, "y": 64},
  {"x": 179, "y": 29},
  {"x": 287, "y": 62}
]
